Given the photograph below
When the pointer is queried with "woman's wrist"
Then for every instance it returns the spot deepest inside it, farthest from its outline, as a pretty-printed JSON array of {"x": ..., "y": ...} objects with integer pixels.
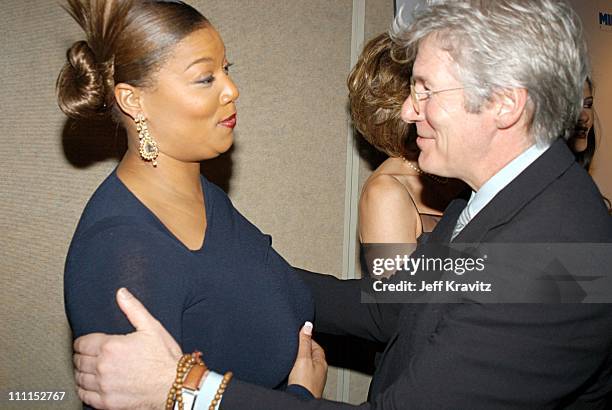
[{"x": 189, "y": 372}]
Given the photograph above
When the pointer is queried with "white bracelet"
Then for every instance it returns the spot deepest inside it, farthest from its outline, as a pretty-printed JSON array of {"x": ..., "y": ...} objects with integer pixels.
[
  {"x": 189, "y": 399},
  {"x": 207, "y": 392}
]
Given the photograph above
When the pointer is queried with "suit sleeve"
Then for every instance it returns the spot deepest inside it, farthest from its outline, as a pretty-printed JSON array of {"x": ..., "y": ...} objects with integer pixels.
[
  {"x": 339, "y": 310},
  {"x": 240, "y": 395},
  {"x": 483, "y": 357}
]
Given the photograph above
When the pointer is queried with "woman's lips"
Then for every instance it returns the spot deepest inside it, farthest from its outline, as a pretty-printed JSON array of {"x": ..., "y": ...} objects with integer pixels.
[{"x": 229, "y": 122}]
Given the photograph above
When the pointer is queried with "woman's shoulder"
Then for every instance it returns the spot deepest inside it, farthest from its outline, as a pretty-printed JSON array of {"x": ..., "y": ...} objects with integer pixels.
[
  {"x": 113, "y": 218},
  {"x": 116, "y": 251},
  {"x": 119, "y": 240},
  {"x": 120, "y": 229},
  {"x": 381, "y": 188},
  {"x": 384, "y": 197},
  {"x": 110, "y": 199},
  {"x": 387, "y": 212}
]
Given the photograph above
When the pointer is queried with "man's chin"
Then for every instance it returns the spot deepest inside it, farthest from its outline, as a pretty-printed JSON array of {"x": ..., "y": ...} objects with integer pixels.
[
  {"x": 430, "y": 170},
  {"x": 428, "y": 164}
]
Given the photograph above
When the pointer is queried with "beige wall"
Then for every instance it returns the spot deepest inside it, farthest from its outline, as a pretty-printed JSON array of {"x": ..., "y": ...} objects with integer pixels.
[
  {"x": 599, "y": 40},
  {"x": 379, "y": 15},
  {"x": 286, "y": 172}
]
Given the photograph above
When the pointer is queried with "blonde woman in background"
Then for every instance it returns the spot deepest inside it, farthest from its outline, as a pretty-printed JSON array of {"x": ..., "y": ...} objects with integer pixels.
[{"x": 399, "y": 201}]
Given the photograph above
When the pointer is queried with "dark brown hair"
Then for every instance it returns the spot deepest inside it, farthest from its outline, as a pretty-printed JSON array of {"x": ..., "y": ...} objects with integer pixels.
[
  {"x": 584, "y": 158},
  {"x": 126, "y": 42},
  {"x": 378, "y": 86}
]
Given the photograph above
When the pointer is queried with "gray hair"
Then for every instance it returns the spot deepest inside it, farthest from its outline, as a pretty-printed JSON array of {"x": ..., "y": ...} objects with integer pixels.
[{"x": 500, "y": 44}]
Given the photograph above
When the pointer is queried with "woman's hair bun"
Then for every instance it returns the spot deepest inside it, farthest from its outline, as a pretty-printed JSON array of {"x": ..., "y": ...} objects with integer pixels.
[
  {"x": 81, "y": 85},
  {"x": 127, "y": 42}
]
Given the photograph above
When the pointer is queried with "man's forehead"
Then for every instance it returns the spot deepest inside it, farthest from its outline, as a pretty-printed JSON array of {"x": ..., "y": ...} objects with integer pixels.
[{"x": 429, "y": 59}]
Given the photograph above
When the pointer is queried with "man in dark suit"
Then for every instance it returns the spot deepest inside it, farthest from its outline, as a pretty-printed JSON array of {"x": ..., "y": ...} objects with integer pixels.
[{"x": 496, "y": 87}]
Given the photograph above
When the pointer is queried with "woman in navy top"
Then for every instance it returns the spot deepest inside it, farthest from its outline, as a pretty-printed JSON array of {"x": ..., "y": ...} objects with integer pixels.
[
  {"x": 155, "y": 225},
  {"x": 235, "y": 287}
]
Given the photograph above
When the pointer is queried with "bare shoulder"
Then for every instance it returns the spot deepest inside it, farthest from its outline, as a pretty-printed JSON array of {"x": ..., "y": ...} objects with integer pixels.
[
  {"x": 387, "y": 212},
  {"x": 385, "y": 188}
]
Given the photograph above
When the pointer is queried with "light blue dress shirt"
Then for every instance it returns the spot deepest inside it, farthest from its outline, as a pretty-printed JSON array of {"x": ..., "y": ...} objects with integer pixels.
[{"x": 478, "y": 200}]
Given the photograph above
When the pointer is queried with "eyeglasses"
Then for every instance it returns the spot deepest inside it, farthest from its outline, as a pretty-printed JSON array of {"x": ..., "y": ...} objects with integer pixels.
[{"x": 417, "y": 96}]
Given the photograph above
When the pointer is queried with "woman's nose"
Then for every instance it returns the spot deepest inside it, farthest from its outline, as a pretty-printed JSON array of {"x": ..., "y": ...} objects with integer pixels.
[{"x": 230, "y": 92}]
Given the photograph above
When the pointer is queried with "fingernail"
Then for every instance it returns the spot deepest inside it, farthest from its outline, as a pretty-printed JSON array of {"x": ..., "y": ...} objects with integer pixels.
[
  {"x": 308, "y": 328},
  {"x": 124, "y": 294}
]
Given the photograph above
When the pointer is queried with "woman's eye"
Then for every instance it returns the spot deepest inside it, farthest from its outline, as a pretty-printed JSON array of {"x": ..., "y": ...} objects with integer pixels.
[
  {"x": 207, "y": 81},
  {"x": 211, "y": 78}
]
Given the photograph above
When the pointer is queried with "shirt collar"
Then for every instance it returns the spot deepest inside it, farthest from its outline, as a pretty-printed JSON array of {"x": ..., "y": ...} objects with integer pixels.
[{"x": 478, "y": 200}]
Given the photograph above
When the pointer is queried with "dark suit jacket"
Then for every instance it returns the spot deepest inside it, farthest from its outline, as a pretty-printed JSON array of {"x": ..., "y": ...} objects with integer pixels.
[{"x": 481, "y": 356}]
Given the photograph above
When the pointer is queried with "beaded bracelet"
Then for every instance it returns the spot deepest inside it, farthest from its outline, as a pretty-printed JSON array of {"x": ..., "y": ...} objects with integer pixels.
[
  {"x": 186, "y": 362},
  {"x": 226, "y": 379}
]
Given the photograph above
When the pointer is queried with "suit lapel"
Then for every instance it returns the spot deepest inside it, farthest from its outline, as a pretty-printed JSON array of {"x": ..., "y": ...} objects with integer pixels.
[
  {"x": 516, "y": 195},
  {"x": 444, "y": 229}
]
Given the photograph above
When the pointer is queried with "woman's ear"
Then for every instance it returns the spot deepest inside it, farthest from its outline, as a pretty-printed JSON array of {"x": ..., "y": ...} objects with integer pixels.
[
  {"x": 129, "y": 99},
  {"x": 511, "y": 105}
]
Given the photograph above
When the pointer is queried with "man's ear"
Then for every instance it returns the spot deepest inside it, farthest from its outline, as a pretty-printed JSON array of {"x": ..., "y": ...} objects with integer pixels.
[
  {"x": 510, "y": 105},
  {"x": 129, "y": 99}
]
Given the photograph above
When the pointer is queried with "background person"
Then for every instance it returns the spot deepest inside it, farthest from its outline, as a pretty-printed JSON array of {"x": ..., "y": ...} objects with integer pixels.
[
  {"x": 398, "y": 201},
  {"x": 583, "y": 142}
]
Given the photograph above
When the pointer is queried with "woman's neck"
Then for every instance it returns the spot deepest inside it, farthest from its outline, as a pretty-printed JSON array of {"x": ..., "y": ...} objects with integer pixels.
[{"x": 171, "y": 178}]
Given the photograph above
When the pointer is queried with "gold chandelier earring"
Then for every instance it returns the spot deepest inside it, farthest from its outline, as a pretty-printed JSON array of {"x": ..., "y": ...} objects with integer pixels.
[{"x": 148, "y": 147}]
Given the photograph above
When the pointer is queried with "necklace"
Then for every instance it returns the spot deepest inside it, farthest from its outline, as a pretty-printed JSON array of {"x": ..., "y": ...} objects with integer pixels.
[{"x": 439, "y": 180}]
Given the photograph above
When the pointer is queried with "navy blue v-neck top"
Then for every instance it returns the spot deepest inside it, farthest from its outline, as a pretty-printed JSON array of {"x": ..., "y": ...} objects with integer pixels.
[{"x": 235, "y": 299}]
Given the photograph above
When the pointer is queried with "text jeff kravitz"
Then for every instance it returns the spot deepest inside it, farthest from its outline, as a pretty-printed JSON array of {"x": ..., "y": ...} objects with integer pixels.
[{"x": 435, "y": 286}]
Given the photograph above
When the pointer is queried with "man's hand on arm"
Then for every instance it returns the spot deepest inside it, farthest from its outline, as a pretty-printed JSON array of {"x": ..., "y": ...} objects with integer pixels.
[
  {"x": 136, "y": 370},
  {"x": 127, "y": 371}
]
